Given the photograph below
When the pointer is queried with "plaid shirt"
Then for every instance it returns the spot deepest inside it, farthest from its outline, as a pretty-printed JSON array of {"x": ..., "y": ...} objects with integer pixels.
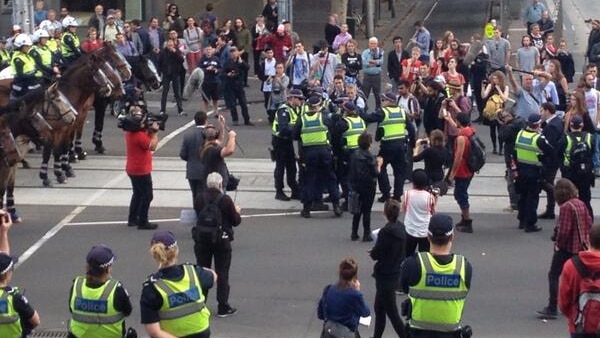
[{"x": 567, "y": 237}]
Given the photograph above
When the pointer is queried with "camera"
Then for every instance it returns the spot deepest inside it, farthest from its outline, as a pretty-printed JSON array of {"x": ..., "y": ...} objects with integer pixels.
[
  {"x": 160, "y": 119},
  {"x": 139, "y": 118},
  {"x": 321, "y": 54},
  {"x": 423, "y": 142}
]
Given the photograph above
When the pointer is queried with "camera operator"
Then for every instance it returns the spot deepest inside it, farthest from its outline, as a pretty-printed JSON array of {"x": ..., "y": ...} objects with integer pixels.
[{"x": 140, "y": 144}]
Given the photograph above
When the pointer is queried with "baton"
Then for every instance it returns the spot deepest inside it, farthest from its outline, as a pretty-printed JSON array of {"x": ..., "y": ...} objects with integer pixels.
[{"x": 514, "y": 69}]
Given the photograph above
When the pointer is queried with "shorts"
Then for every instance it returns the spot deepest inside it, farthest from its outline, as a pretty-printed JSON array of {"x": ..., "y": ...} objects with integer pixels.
[{"x": 211, "y": 91}]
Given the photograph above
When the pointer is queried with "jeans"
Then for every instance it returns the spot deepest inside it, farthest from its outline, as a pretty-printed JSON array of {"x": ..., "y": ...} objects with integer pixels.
[
  {"x": 373, "y": 83},
  {"x": 166, "y": 83},
  {"x": 234, "y": 94},
  {"x": 205, "y": 250},
  {"x": 385, "y": 304},
  {"x": 141, "y": 198},
  {"x": 461, "y": 191},
  {"x": 549, "y": 175},
  {"x": 559, "y": 258},
  {"x": 393, "y": 152},
  {"x": 413, "y": 242},
  {"x": 366, "y": 198},
  {"x": 596, "y": 155}
]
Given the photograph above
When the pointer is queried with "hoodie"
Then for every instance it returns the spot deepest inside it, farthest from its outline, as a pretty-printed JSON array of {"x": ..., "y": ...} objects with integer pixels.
[
  {"x": 570, "y": 279},
  {"x": 389, "y": 251}
]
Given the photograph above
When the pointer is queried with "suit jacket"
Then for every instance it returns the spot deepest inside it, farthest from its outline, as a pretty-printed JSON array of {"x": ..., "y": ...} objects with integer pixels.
[
  {"x": 394, "y": 66},
  {"x": 553, "y": 132},
  {"x": 193, "y": 141}
]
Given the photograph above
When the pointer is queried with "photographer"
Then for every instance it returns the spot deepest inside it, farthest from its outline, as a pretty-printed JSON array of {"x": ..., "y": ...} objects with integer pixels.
[
  {"x": 213, "y": 153},
  {"x": 140, "y": 144},
  {"x": 433, "y": 151}
]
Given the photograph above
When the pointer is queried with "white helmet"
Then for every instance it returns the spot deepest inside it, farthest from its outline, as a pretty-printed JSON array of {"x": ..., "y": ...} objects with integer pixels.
[
  {"x": 70, "y": 21},
  {"x": 22, "y": 40},
  {"x": 40, "y": 33}
]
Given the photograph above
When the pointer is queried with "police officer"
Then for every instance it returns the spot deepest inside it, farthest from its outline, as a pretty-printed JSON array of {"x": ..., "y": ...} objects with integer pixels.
[
  {"x": 69, "y": 44},
  {"x": 529, "y": 146},
  {"x": 580, "y": 174},
  {"x": 437, "y": 283},
  {"x": 395, "y": 132},
  {"x": 349, "y": 126},
  {"x": 23, "y": 66},
  {"x": 44, "y": 58},
  {"x": 19, "y": 318},
  {"x": 98, "y": 303},
  {"x": 283, "y": 146},
  {"x": 5, "y": 56},
  {"x": 165, "y": 315},
  {"x": 312, "y": 129}
]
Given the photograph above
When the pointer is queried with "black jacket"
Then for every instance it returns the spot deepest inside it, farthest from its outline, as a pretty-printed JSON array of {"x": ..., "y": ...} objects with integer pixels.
[
  {"x": 233, "y": 72},
  {"x": 362, "y": 160},
  {"x": 553, "y": 132},
  {"x": 508, "y": 135},
  {"x": 394, "y": 66},
  {"x": 170, "y": 62},
  {"x": 389, "y": 251}
]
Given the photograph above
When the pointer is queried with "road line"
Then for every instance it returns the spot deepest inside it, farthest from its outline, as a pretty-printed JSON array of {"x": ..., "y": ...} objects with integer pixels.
[
  {"x": 431, "y": 11},
  {"x": 89, "y": 202}
]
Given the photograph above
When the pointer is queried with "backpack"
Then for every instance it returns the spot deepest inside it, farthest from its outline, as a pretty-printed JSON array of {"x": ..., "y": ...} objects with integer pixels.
[
  {"x": 210, "y": 220},
  {"x": 476, "y": 158},
  {"x": 588, "y": 302},
  {"x": 492, "y": 105},
  {"x": 580, "y": 156}
]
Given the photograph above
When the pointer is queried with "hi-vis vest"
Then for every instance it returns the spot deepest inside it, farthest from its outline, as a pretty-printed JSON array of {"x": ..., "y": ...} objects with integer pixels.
[
  {"x": 393, "y": 124},
  {"x": 53, "y": 45},
  {"x": 28, "y": 63},
  {"x": 356, "y": 126},
  {"x": 293, "y": 114},
  {"x": 93, "y": 311},
  {"x": 439, "y": 297},
  {"x": 570, "y": 144},
  {"x": 527, "y": 149},
  {"x": 314, "y": 131},
  {"x": 46, "y": 56},
  {"x": 5, "y": 56},
  {"x": 10, "y": 322},
  {"x": 64, "y": 49},
  {"x": 183, "y": 311}
]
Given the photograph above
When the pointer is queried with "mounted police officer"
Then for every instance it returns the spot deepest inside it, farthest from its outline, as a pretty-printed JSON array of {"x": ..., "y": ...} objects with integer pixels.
[
  {"x": 580, "y": 146},
  {"x": 69, "y": 44},
  {"x": 44, "y": 58},
  {"x": 437, "y": 283},
  {"x": 530, "y": 145},
  {"x": 283, "y": 146},
  {"x": 97, "y": 302},
  {"x": 5, "y": 57},
  {"x": 312, "y": 129},
  {"x": 395, "y": 132},
  {"x": 23, "y": 66},
  {"x": 349, "y": 126}
]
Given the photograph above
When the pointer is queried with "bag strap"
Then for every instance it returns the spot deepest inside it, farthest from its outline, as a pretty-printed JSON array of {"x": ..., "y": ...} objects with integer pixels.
[
  {"x": 581, "y": 268},
  {"x": 582, "y": 243},
  {"x": 324, "y": 297}
]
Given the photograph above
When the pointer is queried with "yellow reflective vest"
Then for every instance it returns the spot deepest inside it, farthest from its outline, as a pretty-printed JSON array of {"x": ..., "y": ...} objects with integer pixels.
[
  {"x": 439, "y": 297},
  {"x": 314, "y": 131},
  {"x": 293, "y": 113},
  {"x": 28, "y": 63},
  {"x": 356, "y": 126},
  {"x": 393, "y": 124},
  {"x": 46, "y": 56},
  {"x": 64, "y": 49},
  {"x": 526, "y": 148},
  {"x": 10, "y": 322}
]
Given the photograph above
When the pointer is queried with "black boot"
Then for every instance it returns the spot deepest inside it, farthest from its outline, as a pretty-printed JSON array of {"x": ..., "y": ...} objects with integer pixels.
[
  {"x": 305, "y": 211},
  {"x": 354, "y": 235},
  {"x": 466, "y": 226},
  {"x": 549, "y": 214},
  {"x": 337, "y": 210},
  {"x": 296, "y": 194},
  {"x": 280, "y": 195}
]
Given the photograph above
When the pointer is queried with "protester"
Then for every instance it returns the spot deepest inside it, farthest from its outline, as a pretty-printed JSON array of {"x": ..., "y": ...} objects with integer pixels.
[{"x": 418, "y": 207}]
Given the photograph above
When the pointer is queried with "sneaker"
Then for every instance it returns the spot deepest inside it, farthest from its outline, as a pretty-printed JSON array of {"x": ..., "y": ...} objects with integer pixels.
[
  {"x": 226, "y": 313},
  {"x": 547, "y": 313},
  {"x": 14, "y": 216},
  {"x": 510, "y": 209},
  {"x": 367, "y": 238},
  {"x": 132, "y": 224},
  {"x": 147, "y": 226},
  {"x": 182, "y": 113},
  {"x": 354, "y": 237},
  {"x": 547, "y": 215}
]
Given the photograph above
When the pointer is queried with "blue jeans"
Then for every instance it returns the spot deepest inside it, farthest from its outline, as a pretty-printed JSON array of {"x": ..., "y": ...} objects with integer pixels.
[
  {"x": 596, "y": 156},
  {"x": 461, "y": 193}
]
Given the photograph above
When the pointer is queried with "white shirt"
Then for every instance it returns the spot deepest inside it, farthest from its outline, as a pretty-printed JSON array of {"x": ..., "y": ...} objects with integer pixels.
[
  {"x": 592, "y": 99},
  {"x": 419, "y": 206},
  {"x": 269, "y": 71}
]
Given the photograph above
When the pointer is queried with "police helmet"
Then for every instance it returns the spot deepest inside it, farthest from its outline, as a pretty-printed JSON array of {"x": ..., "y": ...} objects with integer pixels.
[
  {"x": 40, "y": 33},
  {"x": 70, "y": 22},
  {"x": 22, "y": 40}
]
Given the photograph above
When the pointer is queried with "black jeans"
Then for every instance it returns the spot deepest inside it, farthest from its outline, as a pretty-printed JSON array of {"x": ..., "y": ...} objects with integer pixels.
[
  {"x": 413, "y": 242},
  {"x": 141, "y": 198},
  {"x": 385, "y": 304},
  {"x": 195, "y": 186},
  {"x": 285, "y": 162},
  {"x": 559, "y": 258},
  {"x": 549, "y": 175},
  {"x": 205, "y": 250},
  {"x": 366, "y": 198},
  {"x": 234, "y": 94},
  {"x": 166, "y": 83}
]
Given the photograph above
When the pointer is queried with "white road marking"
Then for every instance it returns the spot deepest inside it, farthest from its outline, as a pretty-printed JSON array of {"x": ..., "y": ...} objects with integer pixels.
[{"x": 91, "y": 201}]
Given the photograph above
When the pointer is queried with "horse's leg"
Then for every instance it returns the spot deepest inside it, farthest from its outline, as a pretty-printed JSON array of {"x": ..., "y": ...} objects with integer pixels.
[
  {"x": 58, "y": 164},
  {"x": 100, "y": 105},
  {"x": 78, "y": 148},
  {"x": 10, "y": 195},
  {"x": 65, "y": 163},
  {"x": 48, "y": 149}
]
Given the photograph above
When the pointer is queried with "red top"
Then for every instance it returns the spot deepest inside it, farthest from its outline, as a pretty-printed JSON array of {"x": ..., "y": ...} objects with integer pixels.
[
  {"x": 463, "y": 170},
  {"x": 413, "y": 71},
  {"x": 88, "y": 46},
  {"x": 139, "y": 155},
  {"x": 567, "y": 237}
]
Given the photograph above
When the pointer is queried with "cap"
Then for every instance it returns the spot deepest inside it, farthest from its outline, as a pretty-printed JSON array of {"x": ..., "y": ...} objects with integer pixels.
[
  {"x": 16, "y": 28},
  {"x": 440, "y": 225},
  {"x": 534, "y": 119},
  {"x": 349, "y": 106},
  {"x": 314, "y": 100},
  {"x": 389, "y": 96},
  {"x": 296, "y": 93},
  {"x": 6, "y": 262},
  {"x": 280, "y": 28},
  {"x": 576, "y": 120},
  {"x": 165, "y": 237},
  {"x": 340, "y": 66},
  {"x": 100, "y": 256}
]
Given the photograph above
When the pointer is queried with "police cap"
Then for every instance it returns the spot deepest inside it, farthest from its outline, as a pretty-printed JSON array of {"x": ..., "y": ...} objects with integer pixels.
[
  {"x": 6, "y": 262},
  {"x": 165, "y": 237},
  {"x": 100, "y": 256},
  {"x": 296, "y": 93},
  {"x": 314, "y": 100},
  {"x": 534, "y": 119},
  {"x": 440, "y": 225}
]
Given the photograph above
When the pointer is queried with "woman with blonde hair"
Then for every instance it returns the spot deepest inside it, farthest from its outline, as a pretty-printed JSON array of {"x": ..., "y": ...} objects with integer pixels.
[
  {"x": 495, "y": 89},
  {"x": 164, "y": 315},
  {"x": 342, "y": 304}
]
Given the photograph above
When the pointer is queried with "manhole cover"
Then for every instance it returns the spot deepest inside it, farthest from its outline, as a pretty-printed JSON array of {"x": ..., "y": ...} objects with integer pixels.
[{"x": 57, "y": 333}]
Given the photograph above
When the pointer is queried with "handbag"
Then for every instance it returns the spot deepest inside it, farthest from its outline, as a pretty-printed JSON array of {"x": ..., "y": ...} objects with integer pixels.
[
  {"x": 332, "y": 329},
  {"x": 232, "y": 183},
  {"x": 354, "y": 202},
  {"x": 441, "y": 187}
]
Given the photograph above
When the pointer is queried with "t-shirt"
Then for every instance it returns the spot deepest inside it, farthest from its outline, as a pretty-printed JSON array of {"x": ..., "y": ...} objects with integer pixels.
[
  {"x": 527, "y": 57},
  {"x": 139, "y": 155},
  {"x": 419, "y": 206},
  {"x": 592, "y": 99},
  {"x": 497, "y": 51},
  {"x": 301, "y": 68},
  {"x": 214, "y": 162},
  {"x": 413, "y": 71}
]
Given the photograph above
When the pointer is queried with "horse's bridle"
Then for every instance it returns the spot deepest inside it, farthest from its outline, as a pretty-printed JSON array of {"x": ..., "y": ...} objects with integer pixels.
[{"x": 50, "y": 98}]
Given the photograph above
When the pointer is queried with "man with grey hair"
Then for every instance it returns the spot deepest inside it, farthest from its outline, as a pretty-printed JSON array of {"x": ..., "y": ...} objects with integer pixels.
[
  {"x": 533, "y": 13},
  {"x": 372, "y": 60},
  {"x": 213, "y": 233}
]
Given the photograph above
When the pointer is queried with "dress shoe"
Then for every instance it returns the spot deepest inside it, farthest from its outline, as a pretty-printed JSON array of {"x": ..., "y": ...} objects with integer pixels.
[
  {"x": 132, "y": 224},
  {"x": 521, "y": 225},
  {"x": 533, "y": 228},
  {"x": 466, "y": 226},
  {"x": 319, "y": 207},
  {"x": 281, "y": 196},
  {"x": 147, "y": 226},
  {"x": 337, "y": 210},
  {"x": 547, "y": 313},
  {"x": 354, "y": 237},
  {"x": 305, "y": 213},
  {"x": 296, "y": 195},
  {"x": 547, "y": 215},
  {"x": 367, "y": 238},
  {"x": 383, "y": 198},
  {"x": 249, "y": 124}
]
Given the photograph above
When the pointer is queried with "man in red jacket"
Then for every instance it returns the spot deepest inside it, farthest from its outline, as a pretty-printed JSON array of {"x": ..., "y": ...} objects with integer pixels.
[
  {"x": 280, "y": 42},
  {"x": 571, "y": 282}
]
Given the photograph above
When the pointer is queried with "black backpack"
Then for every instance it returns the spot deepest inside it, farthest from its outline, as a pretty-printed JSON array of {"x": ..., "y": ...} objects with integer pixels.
[
  {"x": 210, "y": 220},
  {"x": 580, "y": 155},
  {"x": 476, "y": 158}
]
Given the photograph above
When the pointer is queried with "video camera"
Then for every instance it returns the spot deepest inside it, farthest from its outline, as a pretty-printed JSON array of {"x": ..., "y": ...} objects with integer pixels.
[{"x": 137, "y": 117}]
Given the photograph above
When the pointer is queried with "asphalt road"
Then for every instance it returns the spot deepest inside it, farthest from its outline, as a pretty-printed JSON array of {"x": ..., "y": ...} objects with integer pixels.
[{"x": 281, "y": 262}]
